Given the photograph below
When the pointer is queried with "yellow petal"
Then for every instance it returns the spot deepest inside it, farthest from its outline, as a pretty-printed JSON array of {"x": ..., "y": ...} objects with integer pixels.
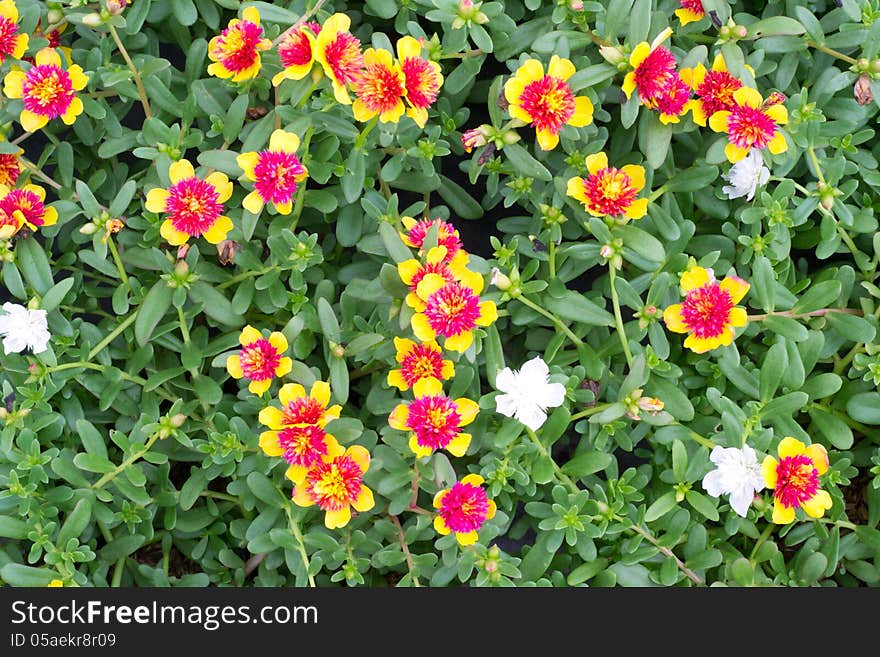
[
  {"x": 171, "y": 235},
  {"x": 782, "y": 515},
  {"x": 218, "y": 231},
  {"x": 419, "y": 450},
  {"x": 778, "y": 144},
  {"x": 694, "y": 278},
  {"x": 816, "y": 506},
  {"x": 78, "y": 79},
  {"x": 301, "y": 496},
  {"x": 429, "y": 284},
  {"x": 718, "y": 121},
  {"x": 403, "y": 346},
  {"x": 531, "y": 71},
  {"x": 361, "y": 112},
  {"x": 701, "y": 345},
  {"x": 491, "y": 509},
  {"x": 778, "y": 113},
  {"x": 458, "y": 446},
  {"x": 629, "y": 84},
  {"x": 9, "y": 10},
  {"x": 466, "y": 538},
  {"x": 789, "y": 446},
  {"x": 247, "y": 162},
  {"x": 278, "y": 341},
  {"x": 364, "y": 501},
  {"x": 283, "y": 208},
  {"x": 438, "y": 498},
  {"x": 283, "y": 141},
  {"x": 440, "y": 526},
  {"x": 460, "y": 342},
  {"x": 181, "y": 170},
  {"x": 488, "y": 313},
  {"x": 637, "y": 209},
  {"x": 560, "y": 68},
  {"x": 819, "y": 455},
  {"x": 284, "y": 367},
  {"x": 221, "y": 184},
  {"x": 748, "y": 97},
  {"x": 296, "y": 474},
  {"x": 696, "y": 108},
  {"x": 289, "y": 392},
  {"x": 473, "y": 480},
  {"x": 13, "y": 83},
  {"x": 320, "y": 392},
  {"x": 408, "y": 48},
  {"x": 575, "y": 189},
  {"x": 253, "y": 202},
  {"x": 359, "y": 455},
  {"x": 547, "y": 140},
  {"x": 50, "y": 217},
  {"x": 596, "y": 162},
  {"x": 738, "y": 317},
  {"x": 73, "y": 110},
  {"x": 718, "y": 64},
  {"x": 156, "y": 199},
  {"x": 398, "y": 417},
  {"x": 251, "y": 15},
  {"x": 259, "y": 387},
  {"x": 48, "y": 57},
  {"x": 467, "y": 410},
  {"x": 768, "y": 470},
  {"x": 408, "y": 269},
  {"x": 233, "y": 366},
  {"x": 422, "y": 328},
  {"x": 269, "y": 443},
  {"x": 735, "y": 287},
  {"x": 395, "y": 379},
  {"x": 448, "y": 370},
  {"x": 418, "y": 114},
  {"x": 636, "y": 175},
  {"x": 674, "y": 320},
  {"x": 733, "y": 152},
  {"x": 271, "y": 417},
  {"x": 32, "y": 122},
  {"x": 639, "y": 53},
  {"x": 337, "y": 519},
  {"x": 427, "y": 387},
  {"x": 249, "y": 335}
]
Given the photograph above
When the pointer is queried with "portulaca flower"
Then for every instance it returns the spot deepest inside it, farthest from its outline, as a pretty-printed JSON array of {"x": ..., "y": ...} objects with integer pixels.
[
  {"x": 737, "y": 473},
  {"x": 528, "y": 393},
  {"x": 745, "y": 176},
  {"x": 22, "y": 329}
]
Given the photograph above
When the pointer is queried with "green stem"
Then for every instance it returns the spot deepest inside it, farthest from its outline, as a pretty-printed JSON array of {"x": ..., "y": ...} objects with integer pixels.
[
  {"x": 813, "y": 313},
  {"x": 117, "y": 573},
  {"x": 142, "y": 93},
  {"x": 830, "y": 51},
  {"x": 294, "y": 527},
  {"x": 184, "y": 329},
  {"x": 112, "y": 335},
  {"x": 110, "y": 476},
  {"x": 301, "y": 192},
  {"x": 815, "y": 161},
  {"x": 96, "y": 367},
  {"x": 476, "y": 52},
  {"x": 618, "y": 318},
  {"x": 560, "y": 476},
  {"x": 846, "y": 524},
  {"x": 362, "y": 138},
  {"x": 657, "y": 193},
  {"x": 690, "y": 574},
  {"x": 763, "y": 537},
  {"x": 406, "y": 553},
  {"x": 250, "y": 273},
  {"x": 553, "y": 318},
  {"x": 217, "y": 495},
  {"x": 552, "y": 256},
  {"x": 115, "y": 253},
  {"x": 588, "y": 412},
  {"x": 697, "y": 438}
]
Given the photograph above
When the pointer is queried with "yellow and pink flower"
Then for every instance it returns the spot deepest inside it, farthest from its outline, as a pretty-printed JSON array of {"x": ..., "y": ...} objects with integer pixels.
[
  {"x": 10, "y": 168},
  {"x": 691, "y": 11},
  {"x": 609, "y": 191},
  {"x": 422, "y": 79},
  {"x": 12, "y": 44},
  {"x": 416, "y": 231},
  {"x": 653, "y": 70},
  {"x": 302, "y": 446},
  {"x": 434, "y": 420},
  {"x": 193, "y": 206},
  {"x": 794, "y": 479},
  {"x": 547, "y": 101},
  {"x": 437, "y": 264},
  {"x": 297, "y": 53},
  {"x": 260, "y": 360},
  {"x": 751, "y": 123},
  {"x": 24, "y": 207},
  {"x": 709, "y": 313},
  {"x": 453, "y": 311},
  {"x": 336, "y": 484},
  {"x": 235, "y": 52},
  {"x": 339, "y": 54},
  {"x": 275, "y": 172},
  {"x": 714, "y": 88},
  {"x": 299, "y": 408},
  {"x": 380, "y": 88},
  {"x": 418, "y": 362},
  {"x": 672, "y": 103},
  {"x": 48, "y": 91},
  {"x": 463, "y": 509}
]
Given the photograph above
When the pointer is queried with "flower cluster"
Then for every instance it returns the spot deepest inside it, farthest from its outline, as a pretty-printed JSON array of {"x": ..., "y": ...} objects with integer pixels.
[
  {"x": 444, "y": 296},
  {"x": 655, "y": 79}
]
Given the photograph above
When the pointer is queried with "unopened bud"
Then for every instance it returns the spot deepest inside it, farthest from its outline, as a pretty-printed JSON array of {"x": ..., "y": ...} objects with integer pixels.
[
  {"x": 181, "y": 268},
  {"x": 475, "y": 138},
  {"x": 576, "y": 5},
  {"x": 862, "y": 90},
  {"x": 607, "y": 251},
  {"x": 500, "y": 280},
  {"x": 92, "y": 20},
  {"x": 724, "y": 32},
  {"x": 650, "y": 404},
  {"x": 612, "y": 54},
  {"x": 862, "y": 64},
  {"x": 510, "y": 137},
  {"x": 177, "y": 420},
  {"x": 182, "y": 250},
  {"x": 88, "y": 229},
  {"x": 875, "y": 66},
  {"x": 55, "y": 15},
  {"x": 491, "y": 566},
  {"x": 740, "y": 31},
  {"x": 827, "y": 200},
  {"x": 116, "y": 7}
]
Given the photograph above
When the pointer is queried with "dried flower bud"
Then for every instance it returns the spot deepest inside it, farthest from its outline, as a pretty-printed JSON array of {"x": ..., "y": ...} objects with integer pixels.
[
  {"x": 182, "y": 250},
  {"x": 713, "y": 16},
  {"x": 862, "y": 90},
  {"x": 227, "y": 250},
  {"x": 475, "y": 137},
  {"x": 486, "y": 155}
]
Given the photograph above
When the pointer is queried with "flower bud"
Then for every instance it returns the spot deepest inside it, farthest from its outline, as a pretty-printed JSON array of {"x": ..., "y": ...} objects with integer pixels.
[
  {"x": 177, "y": 420},
  {"x": 612, "y": 54},
  {"x": 862, "y": 90},
  {"x": 491, "y": 566},
  {"x": 576, "y": 5},
  {"x": 55, "y": 15},
  {"x": 182, "y": 250},
  {"x": 650, "y": 404},
  {"x": 724, "y": 32},
  {"x": 862, "y": 64},
  {"x": 875, "y": 66},
  {"x": 92, "y": 20},
  {"x": 827, "y": 199},
  {"x": 740, "y": 31},
  {"x": 88, "y": 229},
  {"x": 475, "y": 137},
  {"x": 500, "y": 280},
  {"x": 116, "y": 7}
]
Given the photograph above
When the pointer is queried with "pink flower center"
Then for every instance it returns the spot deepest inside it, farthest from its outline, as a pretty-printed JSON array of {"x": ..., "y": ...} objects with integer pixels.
[
  {"x": 422, "y": 83},
  {"x": 259, "y": 360},
  {"x": 464, "y": 508},
  {"x": 27, "y": 203},
  {"x": 446, "y": 235},
  {"x": 452, "y": 310},
  {"x": 696, "y": 6},
  {"x": 420, "y": 362},
  {"x": 47, "y": 91},
  {"x": 750, "y": 127},
  {"x": 277, "y": 174},
  {"x": 236, "y": 47},
  {"x": 303, "y": 410},
  {"x": 716, "y": 92},
  {"x": 654, "y": 74},
  {"x": 344, "y": 57},
  {"x": 672, "y": 101},
  {"x": 434, "y": 420},
  {"x": 192, "y": 205},
  {"x": 334, "y": 485},
  {"x": 379, "y": 88},
  {"x": 10, "y": 168},
  {"x": 549, "y": 102},
  {"x": 706, "y": 310},
  {"x": 8, "y": 34},
  {"x": 797, "y": 480},
  {"x": 303, "y": 445},
  {"x": 295, "y": 50},
  {"x": 609, "y": 191},
  {"x": 431, "y": 268}
]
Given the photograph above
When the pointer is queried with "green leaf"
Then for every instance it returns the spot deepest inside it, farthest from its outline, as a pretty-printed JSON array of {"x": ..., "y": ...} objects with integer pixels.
[
  {"x": 16, "y": 574},
  {"x": 655, "y": 144},
  {"x": 764, "y": 283},
  {"x": 91, "y": 438},
  {"x": 93, "y": 463},
  {"x": 693, "y": 179},
  {"x": 13, "y": 528},
  {"x": 235, "y": 118},
  {"x": 123, "y": 197},
  {"x": 263, "y": 487},
  {"x": 327, "y": 319},
  {"x": 642, "y": 242},
  {"x": 394, "y": 246},
  {"x": 151, "y": 311},
  {"x": 577, "y": 308},
  {"x": 587, "y": 463},
  {"x": 542, "y": 470},
  {"x": 835, "y": 430},
  {"x": 33, "y": 264},
  {"x": 787, "y": 405},
  {"x": 852, "y": 327},
  {"x": 702, "y": 504},
  {"x": 214, "y": 304},
  {"x": 818, "y": 296},
  {"x": 772, "y": 370},
  {"x": 743, "y": 572},
  {"x": 786, "y": 327},
  {"x": 76, "y": 521},
  {"x": 525, "y": 164},
  {"x": 383, "y": 8},
  {"x": 812, "y": 568},
  {"x": 461, "y": 203},
  {"x": 55, "y": 295},
  {"x": 774, "y": 26},
  {"x": 679, "y": 460},
  {"x": 661, "y": 506},
  {"x": 864, "y": 407}
]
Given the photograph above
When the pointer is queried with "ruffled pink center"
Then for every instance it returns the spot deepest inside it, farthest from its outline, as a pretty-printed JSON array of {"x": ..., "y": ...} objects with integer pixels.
[
  {"x": 716, "y": 92},
  {"x": 750, "y": 127},
  {"x": 192, "y": 205},
  {"x": 549, "y": 102},
  {"x": 27, "y": 203},
  {"x": 446, "y": 235},
  {"x": 422, "y": 82},
  {"x": 259, "y": 360},
  {"x": 706, "y": 310},
  {"x": 303, "y": 445},
  {"x": 334, "y": 485},
  {"x": 277, "y": 174},
  {"x": 303, "y": 410},
  {"x": 609, "y": 191},
  {"x": 421, "y": 362},
  {"x": 296, "y": 49},
  {"x": 379, "y": 88},
  {"x": 434, "y": 420},
  {"x": 452, "y": 310},
  {"x": 344, "y": 57},
  {"x": 8, "y": 37},
  {"x": 797, "y": 480},
  {"x": 672, "y": 101},
  {"x": 654, "y": 74},
  {"x": 236, "y": 47},
  {"x": 10, "y": 168},
  {"x": 464, "y": 508},
  {"x": 47, "y": 90}
]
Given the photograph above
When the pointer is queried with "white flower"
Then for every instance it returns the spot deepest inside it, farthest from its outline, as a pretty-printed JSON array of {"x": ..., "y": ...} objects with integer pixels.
[
  {"x": 738, "y": 474},
  {"x": 528, "y": 393},
  {"x": 745, "y": 176},
  {"x": 23, "y": 329}
]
